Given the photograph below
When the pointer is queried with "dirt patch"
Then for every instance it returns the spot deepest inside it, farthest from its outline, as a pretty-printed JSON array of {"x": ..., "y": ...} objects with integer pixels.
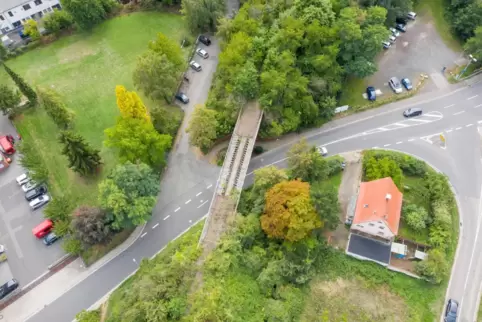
[
  {"x": 76, "y": 51},
  {"x": 352, "y": 300},
  {"x": 347, "y": 193}
]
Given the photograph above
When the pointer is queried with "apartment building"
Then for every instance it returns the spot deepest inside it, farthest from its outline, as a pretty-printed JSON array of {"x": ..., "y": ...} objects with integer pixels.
[{"x": 13, "y": 13}]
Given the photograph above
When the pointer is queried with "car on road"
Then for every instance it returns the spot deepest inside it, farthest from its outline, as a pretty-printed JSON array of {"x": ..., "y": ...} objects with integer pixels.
[
  {"x": 196, "y": 66},
  {"x": 401, "y": 27},
  {"x": 392, "y": 39},
  {"x": 451, "y": 311},
  {"x": 201, "y": 52},
  {"x": 412, "y": 112},
  {"x": 50, "y": 239},
  {"x": 39, "y": 202},
  {"x": 395, "y": 84},
  {"x": 395, "y": 32},
  {"x": 29, "y": 186},
  {"x": 182, "y": 97},
  {"x": 36, "y": 192},
  {"x": 205, "y": 40},
  {"x": 371, "y": 93},
  {"x": 386, "y": 44},
  {"x": 6, "y": 144},
  {"x": 407, "y": 83},
  {"x": 411, "y": 15},
  {"x": 22, "y": 179},
  {"x": 8, "y": 288},
  {"x": 322, "y": 150}
]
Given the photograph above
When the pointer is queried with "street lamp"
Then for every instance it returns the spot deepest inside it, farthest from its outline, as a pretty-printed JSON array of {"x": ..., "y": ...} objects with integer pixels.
[{"x": 472, "y": 59}]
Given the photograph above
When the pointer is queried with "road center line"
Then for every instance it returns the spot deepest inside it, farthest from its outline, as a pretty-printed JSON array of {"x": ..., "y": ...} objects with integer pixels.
[
  {"x": 477, "y": 105},
  {"x": 411, "y": 140},
  {"x": 178, "y": 208},
  {"x": 209, "y": 186},
  {"x": 187, "y": 201},
  {"x": 167, "y": 217},
  {"x": 472, "y": 97},
  {"x": 448, "y": 131},
  {"x": 153, "y": 227},
  {"x": 399, "y": 142},
  {"x": 458, "y": 128},
  {"x": 143, "y": 235},
  {"x": 479, "y": 122},
  {"x": 458, "y": 113},
  {"x": 468, "y": 125},
  {"x": 387, "y": 144},
  {"x": 198, "y": 193},
  {"x": 449, "y": 105},
  {"x": 202, "y": 204}
]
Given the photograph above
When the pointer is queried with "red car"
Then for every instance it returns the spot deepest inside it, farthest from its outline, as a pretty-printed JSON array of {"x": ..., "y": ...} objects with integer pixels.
[{"x": 6, "y": 144}]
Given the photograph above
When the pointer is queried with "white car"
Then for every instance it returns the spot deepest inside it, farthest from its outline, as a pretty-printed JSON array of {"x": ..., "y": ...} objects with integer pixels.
[
  {"x": 196, "y": 66},
  {"x": 22, "y": 179},
  {"x": 392, "y": 39},
  {"x": 395, "y": 32},
  {"x": 386, "y": 44},
  {"x": 29, "y": 186},
  {"x": 39, "y": 202},
  {"x": 322, "y": 150},
  {"x": 201, "y": 52}
]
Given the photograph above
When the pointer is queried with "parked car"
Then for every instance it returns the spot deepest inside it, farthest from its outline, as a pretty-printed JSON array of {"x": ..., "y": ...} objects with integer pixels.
[
  {"x": 39, "y": 202},
  {"x": 386, "y": 44},
  {"x": 43, "y": 228},
  {"x": 371, "y": 93},
  {"x": 50, "y": 239},
  {"x": 392, "y": 39},
  {"x": 182, "y": 97},
  {"x": 395, "y": 32},
  {"x": 451, "y": 311},
  {"x": 196, "y": 66},
  {"x": 322, "y": 150},
  {"x": 205, "y": 40},
  {"x": 201, "y": 52},
  {"x": 401, "y": 27},
  {"x": 8, "y": 288},
  {"x": 394, "y": 83},
  {"x": 412, "y": 112},
  {"x": 29, "y": 186},
  {"x": 411, "y": 15},
  {"x": 401, "y": 20},
  {"x": 6, "y": 144},
  {"x": 407, "y": 83},
  {"x": 22, "y": 179},
  {"x": 36, "y": 192}
]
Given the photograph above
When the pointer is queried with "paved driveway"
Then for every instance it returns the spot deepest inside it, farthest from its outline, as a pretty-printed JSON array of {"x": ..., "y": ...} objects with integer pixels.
[
  {"x": 28, "y": 257},
  {"x": 419, "y": 50}
]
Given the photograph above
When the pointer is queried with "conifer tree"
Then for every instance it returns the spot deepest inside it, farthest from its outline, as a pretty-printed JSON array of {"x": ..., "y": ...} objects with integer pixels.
[
  {"x": 22, "y": 85},
  {"x": 83, "y": 158}
]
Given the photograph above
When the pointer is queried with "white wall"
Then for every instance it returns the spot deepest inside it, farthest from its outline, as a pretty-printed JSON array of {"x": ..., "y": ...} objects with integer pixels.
[
  {"x": 20, "y": 13},
  {"x": 374, "y": 228}
]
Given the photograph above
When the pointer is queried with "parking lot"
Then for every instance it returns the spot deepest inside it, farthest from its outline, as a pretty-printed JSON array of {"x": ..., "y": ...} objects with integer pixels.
[
  {"x": 27, "y": 256},
  {"x": 419, "y": 50}
]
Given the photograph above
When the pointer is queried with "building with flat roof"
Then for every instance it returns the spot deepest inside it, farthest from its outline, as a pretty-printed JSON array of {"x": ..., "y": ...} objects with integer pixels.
[{"x": 13, "y": 13}]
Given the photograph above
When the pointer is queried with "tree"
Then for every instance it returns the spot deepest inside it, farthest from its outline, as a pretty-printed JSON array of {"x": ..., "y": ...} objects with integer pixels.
[
  {"x": 26, "y": 90},
  {"x": 474, "y": 44},
  {"x": 289, "y": 213},
  {"x": 89, "y": 225},
  {"x": 129, "y": 194},
  {"x": 325, "y": 201},
  {"x": 9, "y": 99},
  {"x": 416, "y": 217},
  {"x": 467, "y": 19},
  {"x": 55, "y": 108},
  {"x": 31, "y": 159},
  {"x": 136, "y": 140},
  {"x": 88, "y": 13},
  {"x": 265, "y": 178},
  {"x": 382, "y": 168},
  {"x": 246, "y": 83},
  {"x": 434, "y": 268},
  {"x": 130, "y": 105},
  {"x": 202, "y": 128},
  {"x": 31, "y": 29},
  {"x": 57, "y": 21},
  {"x": 156, "y": 76},
  {"x": 166, "y": 121},
  {"x": 72, "y": 245},
  {"x": 202, "y": 15},
  {"x": 3, "y": 52},
  {"x": 83, "y": 158},
  {"x": 306, "y": 163},
  {"x": 165, "y": 46},
  {"x": 59, "y": 208}
]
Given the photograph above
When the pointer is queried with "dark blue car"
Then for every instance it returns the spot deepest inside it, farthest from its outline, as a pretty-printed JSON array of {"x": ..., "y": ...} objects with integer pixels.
[
  {"x": 371, "y": 94},
  {"x": 407, "y": 84}
]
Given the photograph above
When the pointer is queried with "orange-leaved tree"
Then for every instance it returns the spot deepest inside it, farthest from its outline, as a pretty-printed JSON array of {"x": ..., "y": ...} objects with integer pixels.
[
  {"x": 289, "y": 213},
  {"x": 130, "y": 104}
]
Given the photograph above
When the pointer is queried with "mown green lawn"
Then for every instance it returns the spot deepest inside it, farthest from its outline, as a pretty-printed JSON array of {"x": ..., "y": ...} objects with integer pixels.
[{"x": 85, "y": 68}]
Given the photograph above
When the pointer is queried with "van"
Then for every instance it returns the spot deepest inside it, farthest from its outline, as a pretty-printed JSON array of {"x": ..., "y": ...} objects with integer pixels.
[
  {"x": 411, "y": 15},
  {"x": 6, "y": 145},
  {"x": 42, "y": 229}
]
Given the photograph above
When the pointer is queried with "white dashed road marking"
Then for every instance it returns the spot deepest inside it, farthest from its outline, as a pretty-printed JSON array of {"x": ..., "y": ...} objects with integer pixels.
[
  {"x": 477, "y": 105},
  {"x": 387, "y": 144},
  {"x": 449, "y": 105},
  {"x": 202, "y": 204},
  {"x": 479, "y": 122},
  {"x": 458, "y": 113},
  {"x": 209, "y": 186},
  {"x": 399, "y": 142},
  {"x": 468, "y": 125},
  {"x": 188, "y": 201},
  {"x": 448, "y": 131},
  {"x": 198, "y": 193},
  {"x": 458, "y": 128},
  {"x": 178, "y": 208},
  {"x": 153, "y": 227},
  {"x": 411, "y": 140},
  {"x": 167, "y": 217},
  {"x": 472, "y": 97},
  {"x": 143, "y": 235}
]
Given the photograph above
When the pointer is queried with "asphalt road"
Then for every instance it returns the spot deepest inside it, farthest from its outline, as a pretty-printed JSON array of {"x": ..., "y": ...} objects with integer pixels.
[{"x": 457, "y": 115}]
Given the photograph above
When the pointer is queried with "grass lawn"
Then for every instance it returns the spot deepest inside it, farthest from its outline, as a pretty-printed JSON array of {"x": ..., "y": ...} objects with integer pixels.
[
  {"x": 85, "y": 68},
  {"x": 352, "y": 92}
]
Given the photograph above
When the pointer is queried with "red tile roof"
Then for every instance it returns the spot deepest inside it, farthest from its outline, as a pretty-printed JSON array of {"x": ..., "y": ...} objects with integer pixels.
[{"x": 373, "y": 205}]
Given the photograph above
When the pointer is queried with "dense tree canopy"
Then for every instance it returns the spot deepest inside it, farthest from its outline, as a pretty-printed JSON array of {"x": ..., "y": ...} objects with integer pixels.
[
  {"x": 23, "y": 86},
  {"x": 382, "y": 168},
  {"x": 474, "y": 45},
  {"x": 55, "y": 108},
  {"x": 9, "y": 98},
  {"x": 202, "y": 128},
  {"x": 202, "y": 15},
  {"x": 58, "y": 20},
  {"x": 82, "y": 157},
  {"x": 130, "y": 105},
  {"x": 88, "y": 13},
  {"x": 306, "y": 163},
  {"x": 90, "y": 226}
]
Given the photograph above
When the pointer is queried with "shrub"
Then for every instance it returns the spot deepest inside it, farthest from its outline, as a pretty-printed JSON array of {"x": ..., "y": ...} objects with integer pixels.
[
  {"x": 258, "y": 149},
  {"x": 435, "y": 267},
  {"x": 416, "y": 217},
  {"x": 410, "y": 166},
  {"x": 58, "y": 20},
  {"x": 72, "y": 246}
]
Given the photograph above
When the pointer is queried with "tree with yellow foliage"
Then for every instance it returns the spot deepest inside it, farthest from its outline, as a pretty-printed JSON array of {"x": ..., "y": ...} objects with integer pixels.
[
  {"x": 130, "y": 104},
  {"x": 31, "y": 29},
  {"x": 289, "y": 213}
]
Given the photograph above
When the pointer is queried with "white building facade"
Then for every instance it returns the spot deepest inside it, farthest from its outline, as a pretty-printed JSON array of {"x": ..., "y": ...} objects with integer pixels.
[{"x": 13, "y": 13}]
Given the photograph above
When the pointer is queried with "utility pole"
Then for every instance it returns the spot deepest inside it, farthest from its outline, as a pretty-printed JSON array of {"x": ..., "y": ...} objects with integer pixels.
[{"x": 472, "y": 59}]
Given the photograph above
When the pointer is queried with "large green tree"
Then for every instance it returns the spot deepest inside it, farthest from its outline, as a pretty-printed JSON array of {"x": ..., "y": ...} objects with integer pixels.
[
  {"x": 202, "y": 128},
  {"x": 9, "y": 98},
  {"x": 3, "y": 52},
  {"x": 83, "y": 158},
  {"x": 163, "y": 45},
  {"x": 203, "y": 15},
  {"x": 137, "y": 140},
  {"x": 129, "y": 194},
  {"x": 88, "y": 13},
  {"x": 25, "y": 88},
  {"x": 166, "y": 121},
  {"x": 325, "y": 200},
  {"x": 473, "y": 46},
  {"x": 382, "y": 168},
  {"x": 89, "y": 225},
  {"x": 306, "y": 163},
  {"x": 57, "y": 21},
  {"x": 55, "y": 108}
]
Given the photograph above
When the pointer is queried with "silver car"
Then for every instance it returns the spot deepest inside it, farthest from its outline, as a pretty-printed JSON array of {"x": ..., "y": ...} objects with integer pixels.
[
  {"x": 395, "y": 84},
  {"x": 39, "y": 202},
  {"x": 395, "y": 32},
  {"x": 22, "y": 179},
  {"x": 30, "y": 185},
  {"x": 196, "y": 66},
  {"x": 201, "y": 52}
]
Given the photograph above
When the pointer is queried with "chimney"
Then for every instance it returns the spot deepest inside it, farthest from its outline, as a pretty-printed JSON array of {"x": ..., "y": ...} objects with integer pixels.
[{"x": 388, "y": 196}]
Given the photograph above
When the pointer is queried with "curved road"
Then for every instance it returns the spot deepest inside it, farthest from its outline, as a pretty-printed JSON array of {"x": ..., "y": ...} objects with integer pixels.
[{"x": 188, "y": 188}]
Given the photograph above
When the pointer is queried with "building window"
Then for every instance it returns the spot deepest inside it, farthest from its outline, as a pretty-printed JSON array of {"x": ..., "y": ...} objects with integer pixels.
[
  {"x": 57, "y": 6},
  {"x": 16, "y": 24},
  {"x": 24, "y": 20},
  {"x": 380, "y": 233},
  {"x": 26, "y": 7},
  {"x": 49, "y": 9},
  {"x": 1, "y": 18},
  {"x": 10, "y": 14},
  {"x": 371, "y": 224},
  {"x": 38, "y": 2}
]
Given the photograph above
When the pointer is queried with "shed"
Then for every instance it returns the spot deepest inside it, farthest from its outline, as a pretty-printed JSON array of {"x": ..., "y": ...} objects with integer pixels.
[
  {"x": 400, "y": 250},
  {"x": 420, "y": 255}
]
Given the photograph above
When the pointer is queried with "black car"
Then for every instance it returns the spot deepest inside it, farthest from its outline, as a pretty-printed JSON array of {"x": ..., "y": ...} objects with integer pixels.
[
  {"x": 401, "y": 27},
  {"x": 8, "y": 288},
  {"x": 36, "y": 192},
  {"x": 401, "y": 20},
  {"x": 371, "y": 94},
  {"x": 205, "y": 40},
  {"x": 182, "y": 97},
  {"x": 412, "y": 112},
  {"x": 451, "y": 311}
]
